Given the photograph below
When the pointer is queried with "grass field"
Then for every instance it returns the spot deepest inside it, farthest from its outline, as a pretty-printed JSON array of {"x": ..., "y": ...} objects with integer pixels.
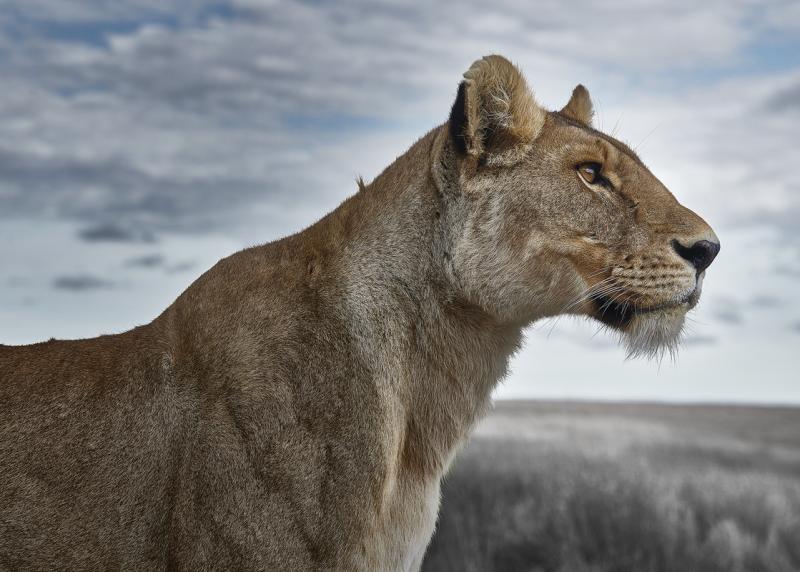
[{"x": 579, "y": 487}]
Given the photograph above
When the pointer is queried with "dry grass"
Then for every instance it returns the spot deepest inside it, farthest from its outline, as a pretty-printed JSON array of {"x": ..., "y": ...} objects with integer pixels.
[{"x": 579, "y": 487}]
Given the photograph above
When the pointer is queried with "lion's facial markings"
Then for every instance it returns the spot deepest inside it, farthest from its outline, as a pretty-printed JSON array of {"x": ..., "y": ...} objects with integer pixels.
[
  {"x": 561, "y": 218},
  {"x": 640, "y": 286},
  {"x": 646, "y": 298},
  {"x": 644, "y": 253}
]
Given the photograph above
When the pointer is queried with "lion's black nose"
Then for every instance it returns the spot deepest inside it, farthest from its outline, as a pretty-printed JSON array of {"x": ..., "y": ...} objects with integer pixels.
[{"x": 701, "y": 254}]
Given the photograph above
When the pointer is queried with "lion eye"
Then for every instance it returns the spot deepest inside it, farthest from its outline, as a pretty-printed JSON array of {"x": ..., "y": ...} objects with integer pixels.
[{"x": 591, "y": 173}]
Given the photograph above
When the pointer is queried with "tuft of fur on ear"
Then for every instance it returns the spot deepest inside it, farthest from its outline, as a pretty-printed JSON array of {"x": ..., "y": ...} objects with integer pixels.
[
  {"x": 494, "y": 112},
  {"x": 579, "y": 107}
]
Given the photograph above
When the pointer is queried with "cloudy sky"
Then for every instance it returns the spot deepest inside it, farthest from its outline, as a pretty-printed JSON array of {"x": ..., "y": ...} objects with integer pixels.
[{"x": 139, "y": 143}]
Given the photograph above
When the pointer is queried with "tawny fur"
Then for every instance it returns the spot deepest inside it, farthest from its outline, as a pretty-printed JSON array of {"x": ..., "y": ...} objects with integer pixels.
[{"x": 298, "y": 405}]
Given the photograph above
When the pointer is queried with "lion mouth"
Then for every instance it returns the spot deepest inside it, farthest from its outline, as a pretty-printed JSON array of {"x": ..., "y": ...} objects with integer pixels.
[
  {"x": 612, "y": 313},
  {"x": 620, "y": 314}
]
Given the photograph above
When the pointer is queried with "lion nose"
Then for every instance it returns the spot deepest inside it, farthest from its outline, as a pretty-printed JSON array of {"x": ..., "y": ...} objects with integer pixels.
[{"x": 701, "y": 254}]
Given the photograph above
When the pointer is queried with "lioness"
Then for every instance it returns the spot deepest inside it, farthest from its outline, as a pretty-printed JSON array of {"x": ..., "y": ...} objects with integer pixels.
[{"x": 297, "y": 406}]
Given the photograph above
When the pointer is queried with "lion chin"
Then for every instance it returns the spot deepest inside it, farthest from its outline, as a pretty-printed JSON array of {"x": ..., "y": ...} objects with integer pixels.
[
  {"x": 649, "y": 333},
  {"x": 654, "y": 334}
]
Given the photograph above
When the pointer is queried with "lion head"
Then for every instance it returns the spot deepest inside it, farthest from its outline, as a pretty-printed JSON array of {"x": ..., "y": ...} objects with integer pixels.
[{"x": 554, "y": 217}]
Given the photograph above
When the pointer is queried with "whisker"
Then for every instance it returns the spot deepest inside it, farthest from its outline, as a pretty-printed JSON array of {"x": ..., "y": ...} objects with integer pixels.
[
  {"x": 637, "y": 148},
  {"x": 598, "y": 289}
]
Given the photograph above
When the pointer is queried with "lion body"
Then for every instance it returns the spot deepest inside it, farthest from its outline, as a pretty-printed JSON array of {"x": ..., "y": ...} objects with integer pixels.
[
  {"x": 298, "y": 405},
  {"x": 262, "y": 422}
]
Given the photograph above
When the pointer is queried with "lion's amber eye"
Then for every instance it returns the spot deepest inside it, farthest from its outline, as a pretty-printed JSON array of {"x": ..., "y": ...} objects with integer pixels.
[{"x": 592, "y": 173}]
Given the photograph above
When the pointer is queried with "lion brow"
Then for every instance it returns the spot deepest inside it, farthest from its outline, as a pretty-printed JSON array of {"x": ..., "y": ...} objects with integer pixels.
[{"x": 618, "y": 145}]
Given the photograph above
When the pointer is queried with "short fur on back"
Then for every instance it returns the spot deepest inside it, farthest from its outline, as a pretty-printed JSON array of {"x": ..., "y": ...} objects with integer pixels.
[{"x": 297, "y": 406}]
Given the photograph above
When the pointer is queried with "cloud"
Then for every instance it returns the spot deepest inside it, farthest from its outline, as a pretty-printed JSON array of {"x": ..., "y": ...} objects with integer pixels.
[
  {"x": 18, "y": 281},
  {"x": 787, "y": 99},
  {"x": 155, "y": 118},
  {"x": 180, "y": 267},
  {"x": 728, "y": 316},
  {"x": 76, "y": 12},
  {"x": 109, "y": 232},
  {"x": 787, "y": 270},
  {"x": 158, "y": 261},
  {"x": 146, "y": 261},
  {"x": 80, "y": 283},
  {"x": 698, "y": 340},
  {"x": 763, "y": 301}
]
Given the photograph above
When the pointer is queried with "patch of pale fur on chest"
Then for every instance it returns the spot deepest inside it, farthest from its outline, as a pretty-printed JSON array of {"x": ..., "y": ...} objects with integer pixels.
[{"x": 399, "y": 544}]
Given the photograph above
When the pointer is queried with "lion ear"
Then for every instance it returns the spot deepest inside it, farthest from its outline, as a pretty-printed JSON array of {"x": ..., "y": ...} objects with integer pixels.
[
  {"x": 494, "y": 111},
  {"x": 579, "y": 107}
]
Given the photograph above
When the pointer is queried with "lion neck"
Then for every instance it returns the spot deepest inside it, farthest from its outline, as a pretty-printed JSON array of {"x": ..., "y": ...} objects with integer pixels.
[{"x": 436, "y": 356}]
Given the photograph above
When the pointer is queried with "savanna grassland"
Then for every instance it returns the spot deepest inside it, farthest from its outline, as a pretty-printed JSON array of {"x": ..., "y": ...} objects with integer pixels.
[{"x": 579, "y": 487}]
